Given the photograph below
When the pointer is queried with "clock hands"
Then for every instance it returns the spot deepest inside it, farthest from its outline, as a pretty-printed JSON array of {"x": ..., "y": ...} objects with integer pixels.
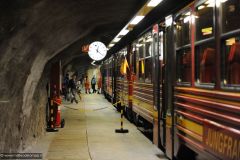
[{"x": 98, "y": 51}]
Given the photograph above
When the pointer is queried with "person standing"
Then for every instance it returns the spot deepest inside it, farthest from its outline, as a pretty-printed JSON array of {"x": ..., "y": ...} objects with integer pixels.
[
  {"x": 65, "y": 86},
  {"x": 99, "y": 83},
  {"x": 73, "y": 88},
  {"x": 93, "y": 83}
]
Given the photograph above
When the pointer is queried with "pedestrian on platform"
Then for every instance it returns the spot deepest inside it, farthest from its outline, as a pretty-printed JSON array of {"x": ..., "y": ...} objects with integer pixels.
[
  {"x": 73, "y": 88},
  {"x": 99, "y": 83},
  {"x": 93, "y": 83},
  {"x": 65, "y": 86},
  {"x": 87, "y": 85}
]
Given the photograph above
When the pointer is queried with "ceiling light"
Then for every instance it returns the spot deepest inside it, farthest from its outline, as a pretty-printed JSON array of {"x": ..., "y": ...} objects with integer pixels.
[
  {"x": 149, "y": 40},
  {"x": 138, "y": 45},
  {"x": 116, "y": 39},
  {"x": 168, "y": 20},
  {"x": 154, "y": 3},
  {"x": 186, "y": 19},
  {"x": 201, "y": 7},
  {"x": 222, "y": 1},
  {"x": 187, "y": 14},
  {"x": 124, "y": 32},
  {"x": 136, "y": 20},
  {"x": 110, "y": 45}
]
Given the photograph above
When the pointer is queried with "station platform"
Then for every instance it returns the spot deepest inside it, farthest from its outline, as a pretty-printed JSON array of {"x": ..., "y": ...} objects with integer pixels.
[{"x": 89, "y": 134}]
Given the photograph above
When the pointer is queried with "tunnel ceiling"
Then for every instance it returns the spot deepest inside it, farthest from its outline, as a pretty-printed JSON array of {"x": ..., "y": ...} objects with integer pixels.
[{"x": 48, "y": 22}]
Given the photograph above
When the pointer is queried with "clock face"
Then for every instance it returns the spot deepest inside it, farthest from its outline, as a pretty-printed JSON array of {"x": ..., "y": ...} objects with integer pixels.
[{"x": 97, "y": 51}]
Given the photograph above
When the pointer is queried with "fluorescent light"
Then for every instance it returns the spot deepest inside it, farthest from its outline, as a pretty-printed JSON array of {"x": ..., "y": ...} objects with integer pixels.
[
  {"x": 154, "y": 3},
  {"x": 222, "y": 1},
  {"x": 149, "y": 40},
  {"x": 201, "y": 7},
  {"x": 110, "y": 45},
  {"x": 168, "y": 20},
  {"x": 210, "y": 3},
  {"x": 136, "y": 20},
  {"x": 116, "y": 39},
  {"x": 187, "y": 14},
  {"x": 124, "y": 32},
  {"x": 186, "y": 19}
]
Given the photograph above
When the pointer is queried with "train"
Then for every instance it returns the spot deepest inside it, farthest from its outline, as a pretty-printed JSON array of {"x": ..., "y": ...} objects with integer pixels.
[{"x": 180, "y": 79}]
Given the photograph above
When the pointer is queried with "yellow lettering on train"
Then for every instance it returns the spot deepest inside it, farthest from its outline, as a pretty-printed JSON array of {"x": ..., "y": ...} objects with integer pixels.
[
  {"x": 229, "y": 150},
  {"x": 234, "y": 153},
  {"x": 238, "y": 156},
  {"x": 226, "y": 145},
  {"x": 220, "y": 148}
]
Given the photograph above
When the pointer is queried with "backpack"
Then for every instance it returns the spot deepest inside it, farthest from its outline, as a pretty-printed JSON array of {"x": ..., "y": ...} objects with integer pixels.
[{"x": 93, "y": 81}]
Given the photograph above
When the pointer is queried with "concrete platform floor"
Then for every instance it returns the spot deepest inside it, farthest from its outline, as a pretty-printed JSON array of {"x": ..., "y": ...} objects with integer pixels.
[{"x": 89, "y": 134}]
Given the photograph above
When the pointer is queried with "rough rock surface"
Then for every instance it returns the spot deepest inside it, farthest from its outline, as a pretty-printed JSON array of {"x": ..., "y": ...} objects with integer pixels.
[{"x": 33, "y": 34}]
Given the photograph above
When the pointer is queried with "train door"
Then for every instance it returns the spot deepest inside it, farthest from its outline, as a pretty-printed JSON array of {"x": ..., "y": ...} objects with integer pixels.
[
  {"x": 168, "y": 79},
  {"x": 157, "y": 86}
]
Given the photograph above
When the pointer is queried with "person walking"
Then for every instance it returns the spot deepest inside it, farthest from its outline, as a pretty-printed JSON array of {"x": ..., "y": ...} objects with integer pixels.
[
  {"x": 87, "y": 85},
  {"x": 93, "y": 83},
  {"x": 73, "y": 88}
]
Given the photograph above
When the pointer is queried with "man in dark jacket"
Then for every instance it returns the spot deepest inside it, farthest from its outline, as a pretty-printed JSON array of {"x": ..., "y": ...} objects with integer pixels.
[
  {"x": 73, "y": 88},
  {"x": 93, "y": 83}
]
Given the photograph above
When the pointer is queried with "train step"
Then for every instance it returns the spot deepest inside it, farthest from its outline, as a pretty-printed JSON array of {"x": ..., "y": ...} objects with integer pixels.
[{"x": 144, "y": 130}]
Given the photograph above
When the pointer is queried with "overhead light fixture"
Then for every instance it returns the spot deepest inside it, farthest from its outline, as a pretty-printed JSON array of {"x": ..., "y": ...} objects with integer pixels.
[
  {"x": 222, "y": 1},
  {"x": 210, "y": 3},
  {"x": 168, "y": 20},
  {"x": 116, "y": 39},
  {"x": 201, "y": 7},
  {"x": 187, "y": 14},
  {"x": 136, "y": 20},
  {"x": 124, "y": 32},
  {"x": 111, "y": 45},
  {"x": 149, "y": 39},
  {"x": 186, "y": 19},
  {"x": 138, "y": 45},
  {"x": 154, "y": 3}
]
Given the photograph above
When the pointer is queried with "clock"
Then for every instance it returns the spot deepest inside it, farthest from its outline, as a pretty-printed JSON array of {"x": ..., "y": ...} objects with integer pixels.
[{"x": 97, "y": 51}]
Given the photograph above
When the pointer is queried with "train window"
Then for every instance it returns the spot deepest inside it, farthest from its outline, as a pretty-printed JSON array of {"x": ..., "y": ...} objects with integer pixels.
[
  {"x": 231, "y": 62},
  {"x": 230, "y": 15},
  {"x": 148, "y": 45},
  {"x": 148, "y": 70},
  {"x": 140, "y": 48},
  {"x": 204, "y": 20},
  {"x": 183, "y": 29},
  {"x": 184, "y": 65},
  {"x": 205, "y": 63},
  {"x": 230, "y": 51}
]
